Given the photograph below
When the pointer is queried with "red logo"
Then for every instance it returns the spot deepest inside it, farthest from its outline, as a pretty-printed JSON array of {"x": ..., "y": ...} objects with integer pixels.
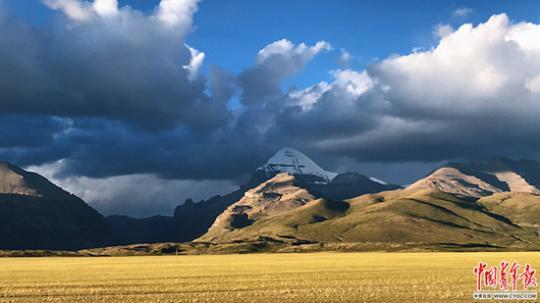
[{"x": 505, "y": 276}]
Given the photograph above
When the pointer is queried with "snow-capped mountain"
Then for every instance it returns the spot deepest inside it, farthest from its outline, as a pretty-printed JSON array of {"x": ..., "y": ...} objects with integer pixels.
[{"x": 294, "y": 162}]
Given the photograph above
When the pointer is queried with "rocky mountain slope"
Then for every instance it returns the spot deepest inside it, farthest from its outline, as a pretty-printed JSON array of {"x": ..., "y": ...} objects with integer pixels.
[
  {"x": 34, "y": 213},
  {"x": 276, "y": 196}
]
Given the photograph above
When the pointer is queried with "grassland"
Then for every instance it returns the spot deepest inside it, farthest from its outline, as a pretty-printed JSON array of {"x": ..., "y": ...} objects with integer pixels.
[{"x": 316, "y": 277}]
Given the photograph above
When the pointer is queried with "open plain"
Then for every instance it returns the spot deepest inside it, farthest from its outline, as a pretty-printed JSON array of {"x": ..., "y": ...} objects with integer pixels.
[{"x": 307, "y": 277}]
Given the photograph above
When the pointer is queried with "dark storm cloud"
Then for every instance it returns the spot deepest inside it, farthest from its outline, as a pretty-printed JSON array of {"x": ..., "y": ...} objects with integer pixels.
[
  {"x": 430, "y": 141},
  {"x": 36, "y": 131},
  {"x": 102, "y": 148},
  {"x": 325, "y": 119},
  {"x": 177, "y": 153},
  {"x": 128, "y": 68}
]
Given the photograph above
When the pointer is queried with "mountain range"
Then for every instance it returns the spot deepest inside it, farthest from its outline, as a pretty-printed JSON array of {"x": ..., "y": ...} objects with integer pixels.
[
  {"x": 192, "y": 219},
  {"x": 290, "y": 200}
]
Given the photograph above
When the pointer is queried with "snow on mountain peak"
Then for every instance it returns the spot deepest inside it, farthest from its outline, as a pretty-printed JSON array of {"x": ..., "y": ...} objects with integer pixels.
[
  {"x": 294, "y": 162},
  {"x": 377, "y": 180}
]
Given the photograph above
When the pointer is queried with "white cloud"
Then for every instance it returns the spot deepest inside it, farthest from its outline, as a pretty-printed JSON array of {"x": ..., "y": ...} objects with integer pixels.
[
  {"x": 526, "y": 35},
  {"x": 307, "y": 97},
  {"x": 287, "y": 49},
  {"x": 469, "y": 67},
  {"x": 106, "y": 7},
  {"x": 81, "y": 11},
  {"x": 443, "y": 30},
  {"x": 197, "y": 59},
  {"x": 74, "y": 9},
  {"x": 177, "y": 13},
  {"x": 355, "y": 83},
  {"x": 462, "y": 12},
  {"x": 533, "y": 84},
  {"x": 344, "y": 57}
]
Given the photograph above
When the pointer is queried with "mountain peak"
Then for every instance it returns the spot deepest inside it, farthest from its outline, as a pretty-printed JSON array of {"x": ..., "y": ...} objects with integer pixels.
[
  {"x": 15, "y": 180},
  {"x": 12, "y": 180},
  {"x": 291, "y": 161}
]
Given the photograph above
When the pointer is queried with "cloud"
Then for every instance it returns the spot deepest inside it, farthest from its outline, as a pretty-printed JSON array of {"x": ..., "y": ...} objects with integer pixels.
[
  {"x": 74, "y": 9},
  {"x": 473, "y": 95},
  {"x": 197, "y": 59},
  {"x": 443, "y": 30},
  {"x": 104, "y": 61},
  {"x": 211, "y": 144},
  {"x": 470, "y": 69},
  {"x": 462, "y": 12},
  {"x": 177, "y": 13},
  {"x": 274, "y": 63},
  {"x": 478, "y": 87},
  {"x": 137, "y": 195},
  {"x": 533, "y": 84},
  {"x": 334, "y": 111},
  {"x": 106, "y": 7},
  {"x": 120, "y": 94},
  {"x": 83, "y": 11},
  {"x": 353, "y": 82},
  {"x": 285, "y": 51},
  {"x": 344, "y": 57},
  {"x": 306, "y": 98},
  {"x": 38, "y": 131}
]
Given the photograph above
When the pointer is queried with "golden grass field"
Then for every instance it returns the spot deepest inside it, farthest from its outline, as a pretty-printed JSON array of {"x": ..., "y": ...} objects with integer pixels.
[{"x": 314, "y": 277}]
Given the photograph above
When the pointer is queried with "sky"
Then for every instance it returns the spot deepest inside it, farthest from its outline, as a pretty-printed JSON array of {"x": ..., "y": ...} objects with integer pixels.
[{"x": 137, "y": 105}]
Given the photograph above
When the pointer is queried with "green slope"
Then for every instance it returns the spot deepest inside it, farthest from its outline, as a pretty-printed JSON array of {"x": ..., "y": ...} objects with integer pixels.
[{"x": 522, "y": 209}]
